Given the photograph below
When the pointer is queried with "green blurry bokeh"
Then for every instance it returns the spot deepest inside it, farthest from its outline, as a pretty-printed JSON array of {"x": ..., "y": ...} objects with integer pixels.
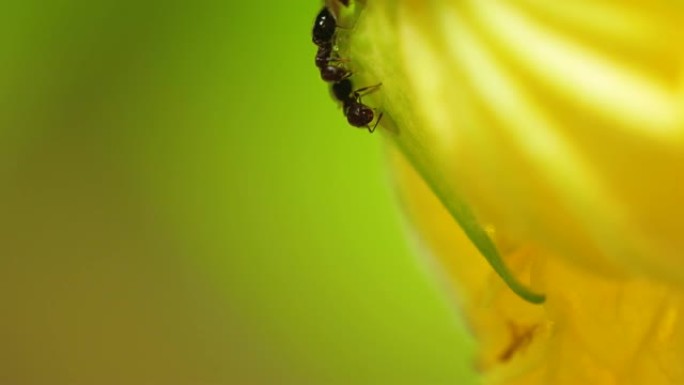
[{"x": 181, "y": 202}]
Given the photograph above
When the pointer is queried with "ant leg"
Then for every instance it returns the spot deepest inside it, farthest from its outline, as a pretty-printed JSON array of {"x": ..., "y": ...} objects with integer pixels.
[
  {"x": 367, "y": 90},
  {"x": 338, "y": 60},
  {"x": 376, "y": 124},
  {"x": 348, "y": 74}
]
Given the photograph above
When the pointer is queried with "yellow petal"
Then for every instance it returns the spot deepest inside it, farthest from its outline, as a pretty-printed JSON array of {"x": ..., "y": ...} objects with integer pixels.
[
  {"x": 591, "y": 330},
  {"x": 559, "y": 125}
]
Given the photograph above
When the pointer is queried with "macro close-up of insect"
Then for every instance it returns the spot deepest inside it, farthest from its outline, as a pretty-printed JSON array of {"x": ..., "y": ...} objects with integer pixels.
[
  {"x": 183, "y": 201},
  {"x": 333, "y": 70}
]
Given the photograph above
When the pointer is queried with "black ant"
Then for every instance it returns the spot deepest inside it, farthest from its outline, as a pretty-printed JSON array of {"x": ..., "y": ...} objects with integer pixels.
[{"x": 358, "y": 114}]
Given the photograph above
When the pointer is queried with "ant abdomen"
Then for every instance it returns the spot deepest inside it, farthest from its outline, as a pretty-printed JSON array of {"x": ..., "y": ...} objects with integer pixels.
[
  {"x": 324, "y": 27},
  {"x": 358, "y": 115}
]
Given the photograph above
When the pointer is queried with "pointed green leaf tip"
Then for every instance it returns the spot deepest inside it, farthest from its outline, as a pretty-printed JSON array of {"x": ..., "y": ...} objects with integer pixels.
[
  {"x": 485, "y": 245},
  {"x": 396, "y": 46},
  {"x": 474, "y": 230}
]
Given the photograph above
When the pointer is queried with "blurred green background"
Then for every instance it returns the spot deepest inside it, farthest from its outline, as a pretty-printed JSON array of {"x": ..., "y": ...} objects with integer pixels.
[{"x": 181, "y": 202}]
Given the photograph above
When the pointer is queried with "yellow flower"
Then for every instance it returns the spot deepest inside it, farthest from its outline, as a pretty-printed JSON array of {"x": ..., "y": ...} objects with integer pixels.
[{"x": 553, "y": 131}]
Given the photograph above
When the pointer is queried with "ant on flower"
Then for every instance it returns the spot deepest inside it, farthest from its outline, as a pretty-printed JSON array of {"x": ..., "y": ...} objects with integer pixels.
[{"x": 357, "y": 113}]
